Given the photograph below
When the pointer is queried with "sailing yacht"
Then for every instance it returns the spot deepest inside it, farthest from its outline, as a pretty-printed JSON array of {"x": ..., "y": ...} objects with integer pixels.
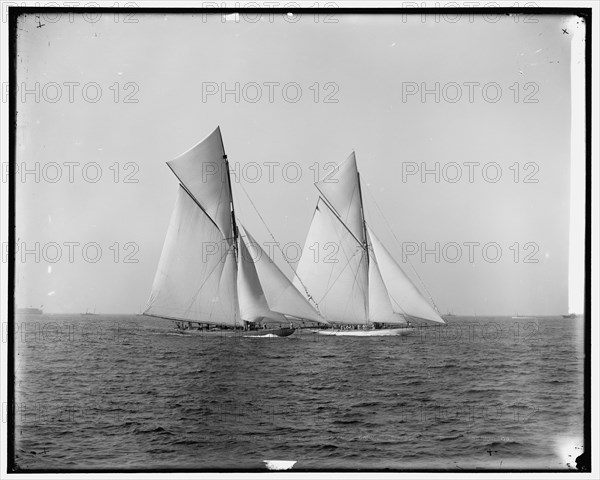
[
  {"x": 346, "y": 272},
  {"x": 211, "y": 271}
]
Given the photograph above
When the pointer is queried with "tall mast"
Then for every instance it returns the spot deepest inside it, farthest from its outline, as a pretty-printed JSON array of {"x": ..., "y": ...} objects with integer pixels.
[
  {"x": 234, "y": 227},
  {"x": 233, "y": 224},
  {"x": 366, "y": 245}
]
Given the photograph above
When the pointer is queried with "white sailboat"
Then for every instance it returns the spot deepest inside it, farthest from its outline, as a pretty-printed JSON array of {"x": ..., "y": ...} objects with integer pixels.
[
  {"x": 209, "y": 272},
  {"x": 344, "y": 269}
]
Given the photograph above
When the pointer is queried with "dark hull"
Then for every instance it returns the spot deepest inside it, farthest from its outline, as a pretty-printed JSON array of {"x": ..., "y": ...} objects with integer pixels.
[
  {"x": 278, "y": 332},
  {"x": 266, "y": 332}
]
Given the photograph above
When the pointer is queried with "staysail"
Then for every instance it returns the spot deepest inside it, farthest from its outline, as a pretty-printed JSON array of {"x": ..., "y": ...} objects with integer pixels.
[
  {"x": 253, "y": 303},
  {"x": 281, "y": 295},
  {"x": 404, "y": 296},
  {"x": 380, "y": 306}
]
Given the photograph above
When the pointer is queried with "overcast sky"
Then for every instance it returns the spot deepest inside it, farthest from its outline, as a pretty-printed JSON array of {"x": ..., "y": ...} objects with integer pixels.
[{"x": 327, "y": 87}]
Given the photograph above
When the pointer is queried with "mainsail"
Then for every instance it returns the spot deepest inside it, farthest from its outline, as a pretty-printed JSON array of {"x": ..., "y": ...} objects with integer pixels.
[
  {"x": 359, "y": 282},
  {"x": 207, "y": 272},
  {"x": 196, "y": 274},
  {"x": 333, "y": 267}
]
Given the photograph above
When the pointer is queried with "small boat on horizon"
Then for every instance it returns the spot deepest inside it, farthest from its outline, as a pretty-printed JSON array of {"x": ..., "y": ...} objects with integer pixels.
[
  {"x": 30, "y": 310},
  {"x": 517, "y": 316}
]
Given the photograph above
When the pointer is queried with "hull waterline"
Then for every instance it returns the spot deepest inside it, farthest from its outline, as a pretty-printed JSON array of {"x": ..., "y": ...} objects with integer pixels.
[
  {"x": 383, "y": 332},
  {"x": 270, "y": 332},
  {"x": 266, "y": 332}
]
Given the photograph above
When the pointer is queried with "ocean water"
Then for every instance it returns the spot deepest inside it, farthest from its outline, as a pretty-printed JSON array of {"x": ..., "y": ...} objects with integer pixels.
[{"x": 119, "y": 392}]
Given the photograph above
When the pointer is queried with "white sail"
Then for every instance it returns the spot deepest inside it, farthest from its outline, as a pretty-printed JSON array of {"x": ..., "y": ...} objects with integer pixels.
[
  {"x": 333, "y": 268},
  {"x": 342, "y": 190},
  {"x": 380, "y": 306},
  {"x": 404, "y": 296},
  {"x": 203, "y": 172},
  {"x": 196, "y": 275},
  {"x": 281, "y": 295},
  {"x": 251, "y": 297}
]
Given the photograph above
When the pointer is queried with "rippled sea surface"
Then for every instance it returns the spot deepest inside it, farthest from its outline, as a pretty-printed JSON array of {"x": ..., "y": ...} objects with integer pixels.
[{"x": 117, "y": 392}]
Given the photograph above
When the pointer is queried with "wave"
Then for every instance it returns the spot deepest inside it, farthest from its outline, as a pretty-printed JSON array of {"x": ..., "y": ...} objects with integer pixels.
[
  {"x": 449, "y": 437},
  {"x": 159, "y": 430},
  {"x": 341, "y": 421}
]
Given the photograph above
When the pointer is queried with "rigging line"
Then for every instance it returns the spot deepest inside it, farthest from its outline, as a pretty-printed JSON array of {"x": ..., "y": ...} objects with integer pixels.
[
  {"x": 365, "y": 257},
  {"x": 182, "y": 185},
  {"x": 330, "y": 204},
  {"x": 356, "y": 272},
  {"x": 364, "y": 225},
  {"x": 395, "y": 304},
  {"x": 223, "y": 256},
  {"x": 391, "y": 299},
  {"x": 231, "y": 206},
  {"x": 221, "y": 262},
  {"x": 340, "y": 274},
  {"x": 280, "y": 249},
  {"x": 359, "y": 249},
  {"x": 363, "y": 247},
  {"x": 333, "y": 210},
  {"x": 407, "y": 259}
]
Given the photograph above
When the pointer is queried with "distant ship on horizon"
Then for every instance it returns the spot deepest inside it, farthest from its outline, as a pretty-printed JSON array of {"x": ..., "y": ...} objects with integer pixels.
[
  {"x": 30, "y": 310},
  {"x": 522, "y": 316}
]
